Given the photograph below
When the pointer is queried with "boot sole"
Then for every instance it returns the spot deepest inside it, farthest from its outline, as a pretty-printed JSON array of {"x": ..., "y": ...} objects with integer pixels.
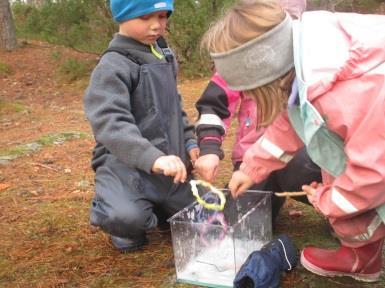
[{"x": 319, "y": 271}]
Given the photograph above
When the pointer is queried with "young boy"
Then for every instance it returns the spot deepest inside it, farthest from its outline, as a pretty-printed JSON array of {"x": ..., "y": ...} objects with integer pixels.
[{"x": 142, "y": 133}]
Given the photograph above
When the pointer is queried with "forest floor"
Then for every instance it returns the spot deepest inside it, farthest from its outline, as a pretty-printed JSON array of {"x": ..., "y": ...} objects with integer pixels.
[{"x": 46, "y": 185}]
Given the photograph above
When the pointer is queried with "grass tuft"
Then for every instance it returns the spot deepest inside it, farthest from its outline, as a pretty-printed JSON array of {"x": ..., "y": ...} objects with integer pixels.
[{"x": 5, "y": 69}]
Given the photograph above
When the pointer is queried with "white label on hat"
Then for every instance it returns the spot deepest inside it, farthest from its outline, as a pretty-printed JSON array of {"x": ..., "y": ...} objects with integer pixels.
[{"x": 160, "y": 5}]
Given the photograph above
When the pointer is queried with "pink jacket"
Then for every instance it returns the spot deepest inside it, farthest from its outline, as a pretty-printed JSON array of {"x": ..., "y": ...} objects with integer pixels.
[
  {"x": 344, "y": 68},
  {"x": 245, "y": 109}
]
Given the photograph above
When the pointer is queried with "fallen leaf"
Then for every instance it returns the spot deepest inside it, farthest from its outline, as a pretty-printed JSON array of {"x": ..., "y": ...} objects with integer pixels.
[
  {"x": 4, "y": 186},
  {"x": 295, "y": 213},
  {"x": 33, "y": 192}
]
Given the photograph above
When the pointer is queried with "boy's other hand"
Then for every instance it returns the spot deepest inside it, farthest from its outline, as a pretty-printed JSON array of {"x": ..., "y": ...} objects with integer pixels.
[
  {"x": 194, "y": 155},
  {"x": 239, "y": 183},
  {"x": 207, "y": 167},
  {"x": 171, "y": 165}
]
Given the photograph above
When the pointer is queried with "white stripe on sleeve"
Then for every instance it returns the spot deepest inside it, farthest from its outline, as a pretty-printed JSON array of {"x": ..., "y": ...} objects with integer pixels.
[
  {"x": 274, "y": 150},
  {"x": 210, "y": 119},
  {"x": 340, "y": 201}
]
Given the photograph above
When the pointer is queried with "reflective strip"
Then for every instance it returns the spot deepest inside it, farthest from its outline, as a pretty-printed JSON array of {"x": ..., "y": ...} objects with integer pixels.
[
  {"x": 376, "y": 222},
  {"x": 274, "y": 150},
  {"x": 210, "y": 119},
  {"x": 342, "y": 202}
]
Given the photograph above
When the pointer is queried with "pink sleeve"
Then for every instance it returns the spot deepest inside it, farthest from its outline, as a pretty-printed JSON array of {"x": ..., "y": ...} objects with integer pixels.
[
  {"x": 272, "y": 151},
  {"x": 233, "y": 98},
  {"x": 294, "y": 7}
]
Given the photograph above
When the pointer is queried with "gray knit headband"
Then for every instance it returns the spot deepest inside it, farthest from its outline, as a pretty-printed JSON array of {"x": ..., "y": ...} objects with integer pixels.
[{"x": 259, "y": 61}]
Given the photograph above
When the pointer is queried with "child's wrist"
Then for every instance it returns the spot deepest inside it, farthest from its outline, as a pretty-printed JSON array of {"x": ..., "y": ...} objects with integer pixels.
[{"x": 191, "y": 144}]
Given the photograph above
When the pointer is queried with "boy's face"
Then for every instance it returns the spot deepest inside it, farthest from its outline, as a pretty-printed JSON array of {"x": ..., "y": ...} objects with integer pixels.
[{"x": 145, "y": 29}]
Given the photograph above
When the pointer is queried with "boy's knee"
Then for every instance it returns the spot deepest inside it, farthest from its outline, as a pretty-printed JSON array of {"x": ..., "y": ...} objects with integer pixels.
[
  {"x": 125, "y": 221},
  {"x": 135, "y": 218}
]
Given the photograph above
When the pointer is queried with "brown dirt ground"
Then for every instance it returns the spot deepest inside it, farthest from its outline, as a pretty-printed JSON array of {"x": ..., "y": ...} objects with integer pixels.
[
  {"x": 46, "y": 240},
  {"x": 45, "y": 236}
]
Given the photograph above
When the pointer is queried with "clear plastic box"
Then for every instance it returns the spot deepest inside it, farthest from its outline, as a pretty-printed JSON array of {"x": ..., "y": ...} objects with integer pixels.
[{"x": 210, "y": 247}]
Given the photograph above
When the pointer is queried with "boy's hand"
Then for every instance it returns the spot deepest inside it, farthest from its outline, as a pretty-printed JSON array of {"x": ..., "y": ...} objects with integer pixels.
[
  {"x": 194, "y": 154},
  {"x": 239, "y": 183},
  {"x": 170, "y": 165},
  {"x": 207, "y": 167}
]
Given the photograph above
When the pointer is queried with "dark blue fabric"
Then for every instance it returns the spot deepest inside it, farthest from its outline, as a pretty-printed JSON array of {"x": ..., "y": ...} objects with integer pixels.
[{"x": 262, "y": 268}]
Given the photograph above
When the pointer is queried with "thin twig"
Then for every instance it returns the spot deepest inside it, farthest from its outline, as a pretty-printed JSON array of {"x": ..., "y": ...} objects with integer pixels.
[
  {"x": 290, "y": 194},
  {"x": 44, "y": 166}
]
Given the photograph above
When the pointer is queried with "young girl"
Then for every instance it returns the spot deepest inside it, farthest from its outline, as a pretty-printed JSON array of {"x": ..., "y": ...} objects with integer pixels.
[
  {"x": 334, "y": 107},
  {"x": 218, "y": 106}
]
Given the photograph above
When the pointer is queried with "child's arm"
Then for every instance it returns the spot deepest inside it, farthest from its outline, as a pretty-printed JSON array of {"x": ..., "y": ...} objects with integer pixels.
[
  {"x": 189, "y": 136},
  {"x": 271, "y": 152},
  {"x": 216, "y": 107}
]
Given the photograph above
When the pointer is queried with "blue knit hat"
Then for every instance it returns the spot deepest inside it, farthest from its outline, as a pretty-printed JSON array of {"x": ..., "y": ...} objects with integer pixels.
[{"x": 123, "y": 10}]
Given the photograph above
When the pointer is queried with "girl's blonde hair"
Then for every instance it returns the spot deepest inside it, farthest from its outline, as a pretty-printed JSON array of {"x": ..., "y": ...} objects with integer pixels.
[
  {"x": 271, "y": 98},
  {"x": 247, "y": 20}
]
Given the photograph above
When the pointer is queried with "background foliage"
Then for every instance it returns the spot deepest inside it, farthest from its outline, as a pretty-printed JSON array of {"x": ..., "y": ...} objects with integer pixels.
[
  {"x": 86, "y": 24},
  {"x": 80, "y": 24}
]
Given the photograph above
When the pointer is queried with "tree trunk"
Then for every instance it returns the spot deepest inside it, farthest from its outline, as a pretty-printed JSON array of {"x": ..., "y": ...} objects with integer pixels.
[{"x": 7, "y": 27}]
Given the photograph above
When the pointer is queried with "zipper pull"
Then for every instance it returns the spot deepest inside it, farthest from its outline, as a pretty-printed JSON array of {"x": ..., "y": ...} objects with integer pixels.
[{"x": 247, "y": 121}]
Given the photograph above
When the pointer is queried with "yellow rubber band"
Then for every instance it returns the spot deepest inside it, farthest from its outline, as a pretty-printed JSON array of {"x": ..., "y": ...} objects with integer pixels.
[{"x": 210, "y": 206}]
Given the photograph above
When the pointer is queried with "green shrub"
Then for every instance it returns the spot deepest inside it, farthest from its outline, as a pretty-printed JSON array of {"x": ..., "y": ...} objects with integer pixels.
[
  {"x": 56, "y": 55},
  {"x": 189, "y": 21},
  {"x": 84, "y": 25},
  {"x": 87, "y": 24},
  {"x": 73, "y": 69}
]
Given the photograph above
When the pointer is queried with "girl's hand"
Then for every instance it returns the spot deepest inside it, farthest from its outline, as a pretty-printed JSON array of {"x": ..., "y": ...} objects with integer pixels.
[
  {"x": 239, "y": 183},
  {"x": 207, "y": 167},
  {"x": 311, "y": 191},
  {"x": 170, "y": 165}
]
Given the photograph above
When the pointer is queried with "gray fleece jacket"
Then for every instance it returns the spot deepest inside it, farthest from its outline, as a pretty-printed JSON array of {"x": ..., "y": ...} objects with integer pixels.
[{"x": 135, "y": 110}]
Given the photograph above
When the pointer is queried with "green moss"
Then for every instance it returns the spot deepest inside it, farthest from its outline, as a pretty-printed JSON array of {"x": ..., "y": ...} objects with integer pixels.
[
  {"x": 5, "y": 69},
  {"x": 11, "y": 107},
  {"x": 46, "y": 140},
  {"x": 59, "y": 138}
]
